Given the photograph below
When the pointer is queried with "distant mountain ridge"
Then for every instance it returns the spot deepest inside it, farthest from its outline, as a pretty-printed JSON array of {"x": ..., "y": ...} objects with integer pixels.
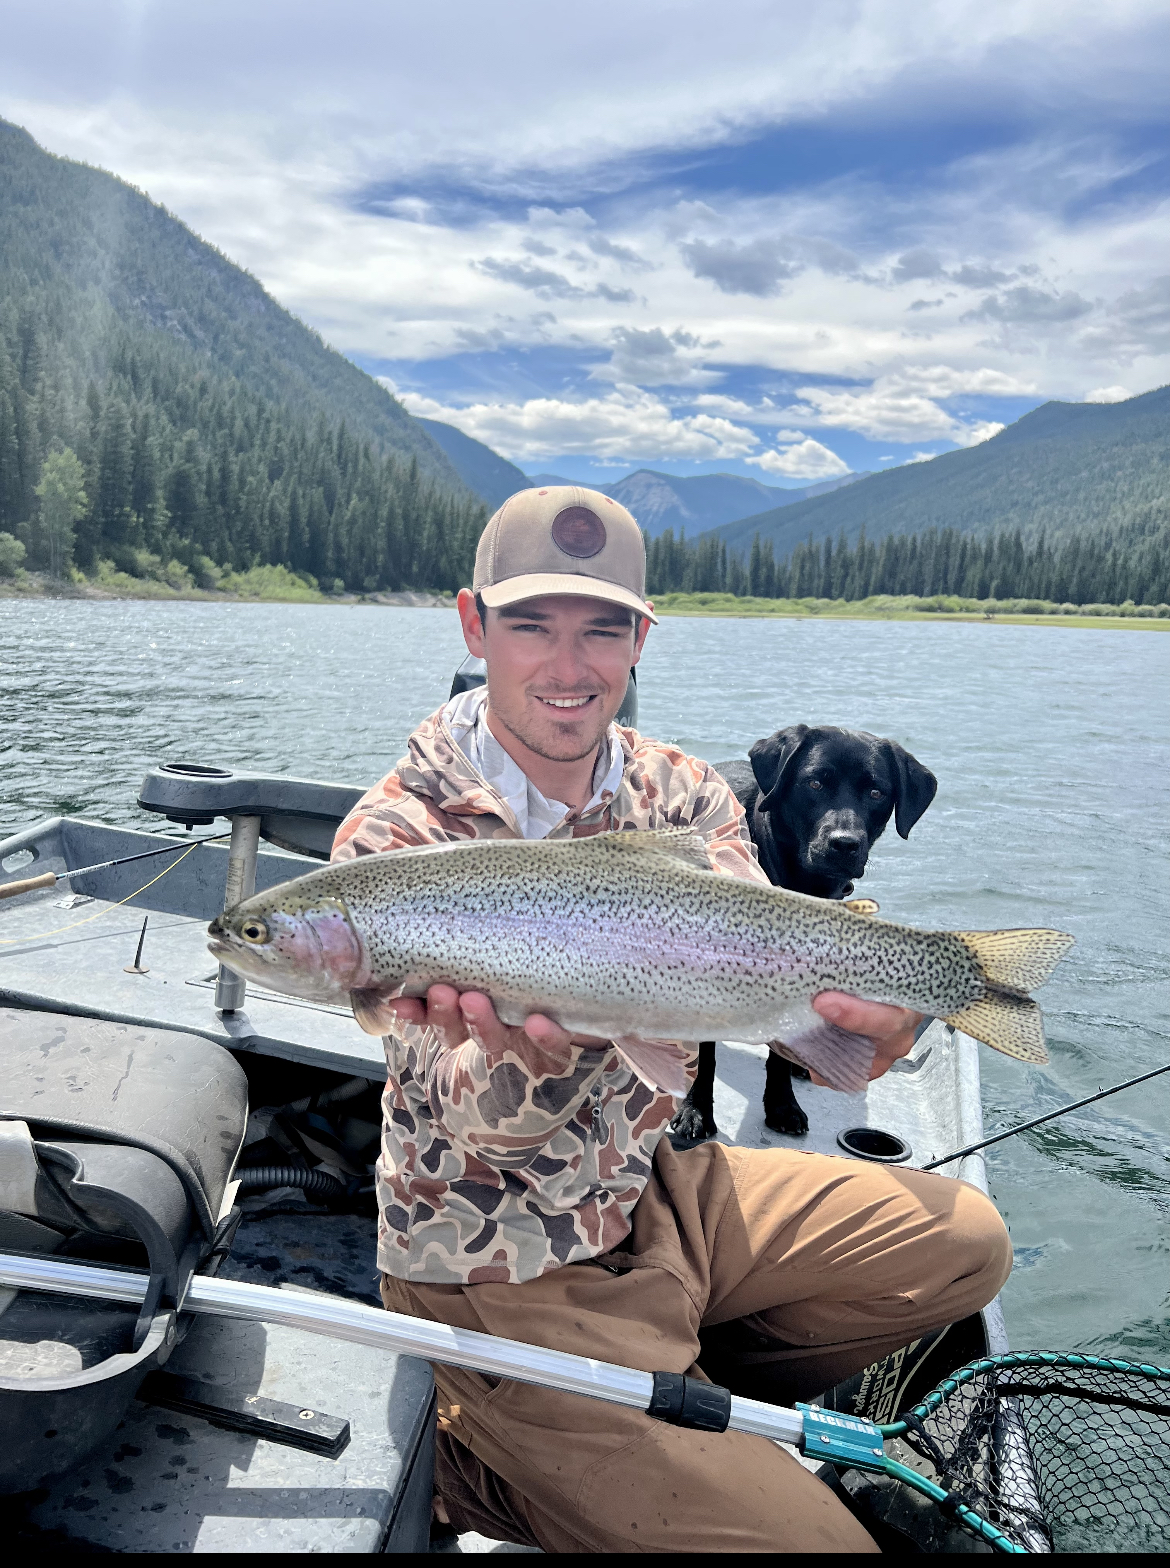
[
  {"x": 1061, "y": 468},
  {"x": 483, "y": 470},
  {"x": 699, "y": 502},
  {"x": 691, "y": 504}
]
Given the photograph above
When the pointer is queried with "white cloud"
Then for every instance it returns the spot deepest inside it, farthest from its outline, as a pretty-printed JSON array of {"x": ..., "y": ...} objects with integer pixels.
[
  {"x": 806, "y": 459},
  {"x": 974, "y": 435},
  {"x": 901, "y": 406},
  {"x": 627, "y": 423},
  {"x": 1108, "y": 395},
  {"x": 733, "y": 407}
]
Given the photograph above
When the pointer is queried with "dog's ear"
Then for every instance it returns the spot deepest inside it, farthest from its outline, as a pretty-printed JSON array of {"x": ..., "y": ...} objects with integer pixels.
[
  {"x": 770, "y": 759},
  {"x": 914, "y": 787}
]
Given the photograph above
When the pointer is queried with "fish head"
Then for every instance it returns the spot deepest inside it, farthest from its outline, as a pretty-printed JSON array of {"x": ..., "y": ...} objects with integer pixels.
[{"x": 302, "y": 946}]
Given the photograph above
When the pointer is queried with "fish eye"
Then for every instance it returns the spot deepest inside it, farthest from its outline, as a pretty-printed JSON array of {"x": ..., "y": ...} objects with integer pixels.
[{"x": 254, "y": 931}]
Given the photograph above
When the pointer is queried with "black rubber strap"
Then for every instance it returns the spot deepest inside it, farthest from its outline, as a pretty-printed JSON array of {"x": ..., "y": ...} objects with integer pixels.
[{"x": 685, "y": 1401}]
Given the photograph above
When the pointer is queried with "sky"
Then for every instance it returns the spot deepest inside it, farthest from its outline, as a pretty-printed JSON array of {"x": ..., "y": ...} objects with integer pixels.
[{"x": 774, "y": 239}]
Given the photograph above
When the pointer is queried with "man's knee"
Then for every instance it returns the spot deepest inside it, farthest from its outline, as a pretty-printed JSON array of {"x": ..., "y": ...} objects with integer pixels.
[{"x": 983, "y": 1247}]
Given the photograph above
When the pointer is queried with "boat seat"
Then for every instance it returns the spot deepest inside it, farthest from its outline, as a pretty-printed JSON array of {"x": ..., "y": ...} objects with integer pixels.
[{"x": 118, "y": 1145}]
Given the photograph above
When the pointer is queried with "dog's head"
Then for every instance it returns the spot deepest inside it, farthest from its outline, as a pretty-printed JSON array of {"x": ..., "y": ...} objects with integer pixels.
[{"x": 830, "y": 792}]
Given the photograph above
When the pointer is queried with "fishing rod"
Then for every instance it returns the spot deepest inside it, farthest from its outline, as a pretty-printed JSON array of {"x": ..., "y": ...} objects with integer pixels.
[
  {"x": 828, "y": 1435},
  {"x": 1102, "y": 1094},
  {"x": 51, "y": 878}
]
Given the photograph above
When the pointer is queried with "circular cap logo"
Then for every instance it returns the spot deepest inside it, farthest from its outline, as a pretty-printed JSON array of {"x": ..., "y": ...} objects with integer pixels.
[{"x": 578, "y": 532}]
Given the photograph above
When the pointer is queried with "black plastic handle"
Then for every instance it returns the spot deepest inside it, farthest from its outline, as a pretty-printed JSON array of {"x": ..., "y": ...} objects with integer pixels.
[{"x": 685, "y": 1401}]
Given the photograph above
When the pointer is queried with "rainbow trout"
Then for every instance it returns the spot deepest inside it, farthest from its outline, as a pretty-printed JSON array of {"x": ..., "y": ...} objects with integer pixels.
[{"x": 631, "y": 937}]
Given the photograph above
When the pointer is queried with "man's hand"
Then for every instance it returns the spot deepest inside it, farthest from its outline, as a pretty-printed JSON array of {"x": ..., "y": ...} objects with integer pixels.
[
  {"x": 469, "y": 1015},
  {"x": 890, "y": 1028}
]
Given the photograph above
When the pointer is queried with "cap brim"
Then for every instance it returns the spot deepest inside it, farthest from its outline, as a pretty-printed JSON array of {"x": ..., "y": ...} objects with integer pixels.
[{"x": 514, "y": 590}]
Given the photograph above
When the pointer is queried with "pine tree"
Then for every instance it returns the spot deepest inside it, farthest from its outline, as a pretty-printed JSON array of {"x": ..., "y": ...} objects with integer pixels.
[{"x": 61, "y": 492}]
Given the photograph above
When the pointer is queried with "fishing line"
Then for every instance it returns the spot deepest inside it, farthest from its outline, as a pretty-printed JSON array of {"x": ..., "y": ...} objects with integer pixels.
[
  {"x": 34, "y": 936},
  {"x": 1102, "y": 1094}
]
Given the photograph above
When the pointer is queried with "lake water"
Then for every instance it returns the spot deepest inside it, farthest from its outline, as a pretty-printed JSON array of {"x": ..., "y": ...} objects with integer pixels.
[{"x": 1052, "y": 750}]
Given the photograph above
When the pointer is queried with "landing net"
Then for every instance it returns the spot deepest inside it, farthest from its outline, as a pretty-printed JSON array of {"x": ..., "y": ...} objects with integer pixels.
[{"x": 1061, "y": 1452}]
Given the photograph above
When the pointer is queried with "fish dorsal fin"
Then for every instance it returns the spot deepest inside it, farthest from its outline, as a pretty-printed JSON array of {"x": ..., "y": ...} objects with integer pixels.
[
  {"x": 682, "y": 844},
  {"x": 862, "y": 906}
]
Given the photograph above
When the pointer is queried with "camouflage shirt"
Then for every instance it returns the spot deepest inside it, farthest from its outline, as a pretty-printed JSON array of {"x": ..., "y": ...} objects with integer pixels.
[{"x": 498, "y": 1167}]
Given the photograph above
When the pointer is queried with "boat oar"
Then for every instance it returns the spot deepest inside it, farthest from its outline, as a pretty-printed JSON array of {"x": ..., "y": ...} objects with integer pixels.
[
  {"x": 1037, "y": 1121},
  {"x": 51, "y": 878},
  {"x": 822, "y": 1434}
]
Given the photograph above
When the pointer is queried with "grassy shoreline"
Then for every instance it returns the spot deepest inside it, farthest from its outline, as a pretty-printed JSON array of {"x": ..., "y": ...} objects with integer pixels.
[
  {"x": 261, "y": 585},
  {"x": 276, "y": 585},
  {"x": 890, "y": 608}
]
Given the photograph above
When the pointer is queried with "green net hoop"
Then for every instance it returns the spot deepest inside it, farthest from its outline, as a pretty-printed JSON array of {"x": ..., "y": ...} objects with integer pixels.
[{"x": 1061, "y": 1452}]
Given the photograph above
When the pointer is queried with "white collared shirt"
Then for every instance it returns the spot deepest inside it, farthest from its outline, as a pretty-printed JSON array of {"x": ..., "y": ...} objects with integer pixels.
[{"x": 535, "y": 815}]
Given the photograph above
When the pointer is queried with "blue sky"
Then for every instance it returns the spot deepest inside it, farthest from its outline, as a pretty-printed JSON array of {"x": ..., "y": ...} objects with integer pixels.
[{"x": 777, "y": 240}]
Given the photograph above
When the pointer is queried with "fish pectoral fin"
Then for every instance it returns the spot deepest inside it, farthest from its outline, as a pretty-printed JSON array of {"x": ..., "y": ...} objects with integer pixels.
[
  {"x": 660, "y": 1064},
  {"x": 370, "y": 1010},
  {"x": 682, "y": 844},
  {"x": 1007, "y": 1022},
  {"x": 843, "y": 1059},
  {"x": 862, "y": 906}
]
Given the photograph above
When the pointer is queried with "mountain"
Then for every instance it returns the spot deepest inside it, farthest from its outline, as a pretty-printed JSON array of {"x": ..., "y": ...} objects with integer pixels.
[
  {"x": 1060, "y": 469},
  {"x": 160, "y": 413},
  {"x": 95, "y": 254},
  {"x": 491, "y": 476},
  {"x": 696, "y": 504},
  {"x": 703, "y": 501}
]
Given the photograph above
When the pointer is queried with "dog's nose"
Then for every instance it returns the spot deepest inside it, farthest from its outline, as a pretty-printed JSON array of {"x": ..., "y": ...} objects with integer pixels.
[{"x": 844, "y": 843}]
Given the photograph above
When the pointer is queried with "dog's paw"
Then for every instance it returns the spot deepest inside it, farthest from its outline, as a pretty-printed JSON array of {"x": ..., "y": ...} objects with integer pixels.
[
  {"x": 690, "y": 1125},
  {"x": 787, "y": 1118}
]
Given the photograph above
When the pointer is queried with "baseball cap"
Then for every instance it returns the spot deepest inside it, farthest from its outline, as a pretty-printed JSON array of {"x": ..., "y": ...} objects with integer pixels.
[{"x": 562, "y": 539}]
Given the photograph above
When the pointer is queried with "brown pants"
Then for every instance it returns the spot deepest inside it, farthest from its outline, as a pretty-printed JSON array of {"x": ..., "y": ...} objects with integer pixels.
[{"x": 835, "y": 1263}]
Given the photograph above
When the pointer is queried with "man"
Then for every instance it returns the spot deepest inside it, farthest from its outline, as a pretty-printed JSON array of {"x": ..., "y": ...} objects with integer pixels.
[{"x": 525, "y": 1185}]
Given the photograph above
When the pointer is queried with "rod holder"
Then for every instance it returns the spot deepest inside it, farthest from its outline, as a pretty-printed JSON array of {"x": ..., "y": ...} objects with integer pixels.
[{"x": 230, "y": 988}]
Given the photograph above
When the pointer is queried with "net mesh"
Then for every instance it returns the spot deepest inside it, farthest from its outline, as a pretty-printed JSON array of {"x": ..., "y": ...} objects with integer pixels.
[{"x": 1061, "y": 1452}]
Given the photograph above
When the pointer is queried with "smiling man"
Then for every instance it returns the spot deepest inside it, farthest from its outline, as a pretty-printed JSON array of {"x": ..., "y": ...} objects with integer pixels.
[{"x": 525, "y": 1186}]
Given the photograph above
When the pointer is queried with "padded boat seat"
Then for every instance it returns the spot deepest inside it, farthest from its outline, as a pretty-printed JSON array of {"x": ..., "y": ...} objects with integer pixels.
[{"x": 117, "y": 1146}]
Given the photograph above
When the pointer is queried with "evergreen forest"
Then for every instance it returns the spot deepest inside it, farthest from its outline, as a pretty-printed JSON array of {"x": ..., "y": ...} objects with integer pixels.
[{"x": 1129, "y": 565}]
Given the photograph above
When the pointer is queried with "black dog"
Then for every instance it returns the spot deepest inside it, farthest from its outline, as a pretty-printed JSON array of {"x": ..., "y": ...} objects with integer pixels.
[{"x": 816, "y": 801}]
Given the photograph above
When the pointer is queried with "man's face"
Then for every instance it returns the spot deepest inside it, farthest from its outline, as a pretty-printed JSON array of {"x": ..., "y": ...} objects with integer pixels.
[{"x": 558, "y": 667}]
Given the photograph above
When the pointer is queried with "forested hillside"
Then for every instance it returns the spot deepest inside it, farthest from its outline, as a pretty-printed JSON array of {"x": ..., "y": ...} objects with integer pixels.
[
  {"x": 1062, "y": 468},
  {"x": 209, "y": 426},
  {"x": 1129, "y": 564}
]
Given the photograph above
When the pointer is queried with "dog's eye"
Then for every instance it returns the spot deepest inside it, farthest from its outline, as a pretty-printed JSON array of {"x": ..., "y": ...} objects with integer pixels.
[
  {"x": 815, "y": 784},
  {"x": 875, "y": 794}
]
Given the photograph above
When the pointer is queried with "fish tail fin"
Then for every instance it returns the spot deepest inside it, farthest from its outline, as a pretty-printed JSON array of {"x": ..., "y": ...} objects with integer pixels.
[
  {"x": 1017, "y": 960},
  {"x": 1007, "y": 1021},
  {"x": 1011, "y": 962}
]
